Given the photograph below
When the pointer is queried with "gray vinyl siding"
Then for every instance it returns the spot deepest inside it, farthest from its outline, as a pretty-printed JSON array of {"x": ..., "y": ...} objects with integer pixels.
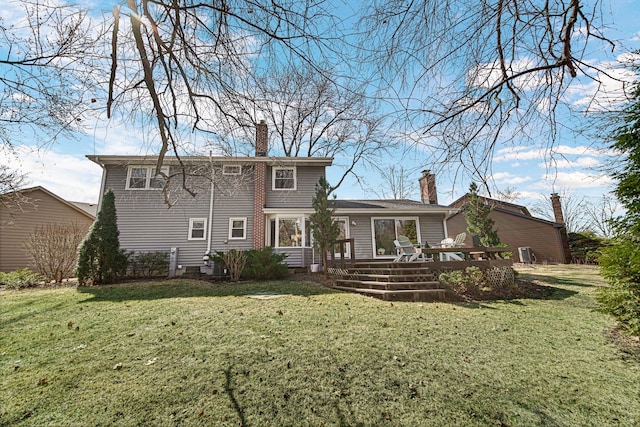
[
  {"x": 306, "y": 176},
  {"x": 361, "y": 235},
  {"x": 147, "y": 224},
  {"x": 431, "y": 230},
  {"x": 296, "y": 257}
]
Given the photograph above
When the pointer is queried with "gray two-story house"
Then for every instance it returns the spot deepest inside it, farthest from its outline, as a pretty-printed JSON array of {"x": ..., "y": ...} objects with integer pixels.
[{"x": 222, "y": 203}]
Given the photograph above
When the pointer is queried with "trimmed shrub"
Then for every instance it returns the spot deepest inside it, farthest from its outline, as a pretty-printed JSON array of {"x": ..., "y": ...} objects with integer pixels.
[
  {"x": 20, "y": 278},
  {"x": 148, "y": 264},
  {"x": 263, "y": 264},
  {"x": 471, "y": 281}
]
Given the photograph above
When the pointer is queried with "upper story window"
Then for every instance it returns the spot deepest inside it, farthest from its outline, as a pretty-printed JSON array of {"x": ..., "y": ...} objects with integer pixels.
[
  {"x": 143, "y": 178},
  {"x": 284, "y": 178},
  {"x": 231, "y": 169}
]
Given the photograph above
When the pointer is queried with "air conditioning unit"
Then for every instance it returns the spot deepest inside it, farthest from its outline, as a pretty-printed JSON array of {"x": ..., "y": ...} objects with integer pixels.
[{"x": 525, "y": 255}]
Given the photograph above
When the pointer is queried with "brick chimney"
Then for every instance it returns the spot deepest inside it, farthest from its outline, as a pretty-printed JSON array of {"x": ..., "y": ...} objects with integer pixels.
[
  {"x": 428, "y": 192},
  {"x": 559, "y": 218},
  {"x": 557, "y": 208},
  {"x": 262, "y": 139},
  {"x": 260, "y": 186}
]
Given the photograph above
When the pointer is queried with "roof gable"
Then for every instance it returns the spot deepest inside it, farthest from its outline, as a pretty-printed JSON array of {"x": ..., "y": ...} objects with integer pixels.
[
  {"x": 54, "y": 196},
  {"x": 494, "y": 203}
]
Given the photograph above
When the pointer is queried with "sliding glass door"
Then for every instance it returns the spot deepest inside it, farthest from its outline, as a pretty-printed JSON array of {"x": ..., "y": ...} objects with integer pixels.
[{"x": 386, "y": 230}]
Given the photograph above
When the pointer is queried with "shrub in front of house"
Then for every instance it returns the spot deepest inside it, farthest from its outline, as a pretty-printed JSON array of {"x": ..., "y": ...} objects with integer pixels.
[
  {"x": 468, "y": 282},
  {"x": 20, "y": 278},
  {"x": 148, "y": 264},
  {"x": 100, "y": 259},
  {"x": 234, "y": 260},
  {"x": 263, "y": 264}
]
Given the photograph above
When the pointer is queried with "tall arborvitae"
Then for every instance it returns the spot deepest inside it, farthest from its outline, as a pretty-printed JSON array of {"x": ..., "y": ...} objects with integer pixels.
[
  {"x": 479, "y": 222},
  {"x": 100, "y": 259},
  {"x": 324, "y": 229}
]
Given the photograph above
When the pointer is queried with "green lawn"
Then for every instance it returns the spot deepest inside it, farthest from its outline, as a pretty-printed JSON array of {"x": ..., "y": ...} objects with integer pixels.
[{"x": 193, "y": 353}]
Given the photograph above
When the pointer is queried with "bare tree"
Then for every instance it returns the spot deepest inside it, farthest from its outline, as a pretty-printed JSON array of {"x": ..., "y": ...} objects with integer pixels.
[
  {"x": 54, "y": 249},
  {"x": 473, "y": 74},
  {"x": 601, "y": 215},
  {"x": 463, "y": 75},
  {"x": 396, "y": 182},
  {"x": 11, "y": 182},
  {"x": 574, "y": 209},
  {"x": 46, "y": 71},
  {"x": 183, "y": 61},
  {"x": 509, "y": 194},
  {"x": 310, "y": 114}
]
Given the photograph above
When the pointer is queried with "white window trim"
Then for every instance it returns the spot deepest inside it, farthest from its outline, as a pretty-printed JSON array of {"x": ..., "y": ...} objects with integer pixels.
[
  {"x": 204, "y": 231},
  {"x": 225, "y": 169},
  {"x": 394, "y": 218},
  {"x": 244, "y": 228},
  {"x": 273, "y": 178},
  {"x": 347, "y": 253},
  {"x": 148, "y": 177},
  {"x": 302, "y": 218}
]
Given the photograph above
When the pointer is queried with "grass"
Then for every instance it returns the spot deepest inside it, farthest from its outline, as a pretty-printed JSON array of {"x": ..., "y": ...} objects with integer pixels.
[{"x": 193, "y": 353}]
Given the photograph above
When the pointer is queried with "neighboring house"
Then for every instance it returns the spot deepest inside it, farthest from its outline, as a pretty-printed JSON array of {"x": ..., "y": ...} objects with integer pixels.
[
  {"x": 251, "y": 202},
  {"x": 22, "y": 212},
  {"x": 517, "y": 228}
]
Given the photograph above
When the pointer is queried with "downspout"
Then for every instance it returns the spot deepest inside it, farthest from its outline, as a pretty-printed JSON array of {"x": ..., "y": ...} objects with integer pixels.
[{"x": 210, "y": 220}]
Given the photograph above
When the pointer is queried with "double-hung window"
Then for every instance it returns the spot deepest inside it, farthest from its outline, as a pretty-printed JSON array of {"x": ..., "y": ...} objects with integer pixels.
[
  {"x": 284, "y": 178},
  {"x": 237, "y": 228},
  {"x": 231, "y": 169},
  {"x": 197, "y": 228},
  {"x": 144, "y": 178}
]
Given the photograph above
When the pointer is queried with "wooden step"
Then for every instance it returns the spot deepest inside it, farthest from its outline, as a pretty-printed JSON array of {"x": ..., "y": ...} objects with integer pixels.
[
  {"x": 400, "y": 295},
  {"x": 390, "y": 271},
  {"x": 389, "y": 285},
  {"x": 393, "y": 277}
]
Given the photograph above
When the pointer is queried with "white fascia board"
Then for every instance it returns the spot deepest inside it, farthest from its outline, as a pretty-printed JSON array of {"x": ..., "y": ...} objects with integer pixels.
[
  {"x": 152, "y": 160},
  {"x": 390, "y": 211}
]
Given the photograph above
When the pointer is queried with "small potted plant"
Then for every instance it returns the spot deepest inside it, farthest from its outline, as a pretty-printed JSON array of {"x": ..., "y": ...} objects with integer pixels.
[{"x": 381, "y": 251}]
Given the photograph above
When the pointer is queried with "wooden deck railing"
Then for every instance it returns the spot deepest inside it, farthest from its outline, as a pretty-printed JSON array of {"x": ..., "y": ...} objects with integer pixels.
[
  {"x": 342, "y": 246},
  {"x": 470, "y": 254}
]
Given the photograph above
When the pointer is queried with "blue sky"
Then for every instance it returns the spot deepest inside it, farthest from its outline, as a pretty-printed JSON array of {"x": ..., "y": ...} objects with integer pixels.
[{"x": 577, "y": 165}]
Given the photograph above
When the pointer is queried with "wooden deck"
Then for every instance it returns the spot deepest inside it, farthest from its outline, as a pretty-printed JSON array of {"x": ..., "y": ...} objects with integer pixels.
[{"x": 402, "y": 281}]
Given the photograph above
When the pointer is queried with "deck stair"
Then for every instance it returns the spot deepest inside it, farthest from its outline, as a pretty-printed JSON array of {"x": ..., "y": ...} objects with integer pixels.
[{"x": 390, "y": 281}]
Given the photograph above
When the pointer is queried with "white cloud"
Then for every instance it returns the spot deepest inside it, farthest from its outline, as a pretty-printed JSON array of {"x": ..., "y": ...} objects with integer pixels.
[
  {"x": 72, "y": 177},
  {"x": 573, "y": 180},
  {"x": 581, "y": 162},
  {"x": 608, "y": 87},
  {"x": 508, "y": 178},
  {"x": 528, "y": 153}
]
